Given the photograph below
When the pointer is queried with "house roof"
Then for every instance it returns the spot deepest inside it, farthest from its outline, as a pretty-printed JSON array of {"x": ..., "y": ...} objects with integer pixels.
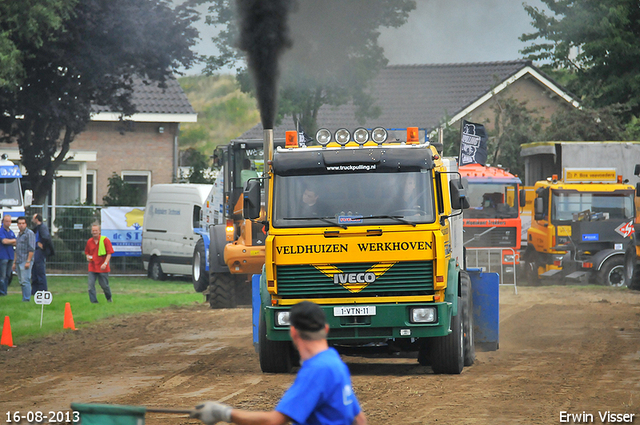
[
  {"x": 423, "y": 95},
  {"x": 154, "y": 104}
]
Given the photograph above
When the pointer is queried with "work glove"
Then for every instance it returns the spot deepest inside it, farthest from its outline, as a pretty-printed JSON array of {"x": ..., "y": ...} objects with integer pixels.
[{"x": 211, "y": 412}]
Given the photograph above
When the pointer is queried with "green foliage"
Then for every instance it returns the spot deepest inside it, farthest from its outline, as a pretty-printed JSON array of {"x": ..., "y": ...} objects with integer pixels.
[
  {"x": 332, "y": 60},
  {"x": 597, "y": 42},
  {"x": 121, "y": 193},
  {"x": 91, "y": 58},
  {"x": 26, "y": 23},
  {"x": 587, "y": 125},
  {"x": 514, "y": 124},
  {"x": 199, "y": 164},
  {"x": 224, "y": 112},
  {"x": 131, "y": 295}
]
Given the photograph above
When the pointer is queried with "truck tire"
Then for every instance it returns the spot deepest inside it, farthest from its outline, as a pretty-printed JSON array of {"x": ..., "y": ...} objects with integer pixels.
[
  {"x": 467, "y": 318},
  {"x": 155, "y": 269},
  {"x": 199, "y": 274},
  {"x": 612, "y": 272},
  {"x": 631, "y": 268},
  {"x": 447, "y": 352},
  {"x": 275, "y": 356},
  {"x": 222, "y": 291},
  {"x": 243, "y": 289}
]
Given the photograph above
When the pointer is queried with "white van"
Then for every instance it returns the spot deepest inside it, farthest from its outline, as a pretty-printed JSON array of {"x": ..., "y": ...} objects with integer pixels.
[{"x": 172, "y": 213}]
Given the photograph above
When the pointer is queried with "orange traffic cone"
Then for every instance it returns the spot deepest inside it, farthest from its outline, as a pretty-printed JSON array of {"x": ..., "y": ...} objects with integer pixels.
[
  {"x": 68, "y": 318},
  {"x": 6, "y": 339}
]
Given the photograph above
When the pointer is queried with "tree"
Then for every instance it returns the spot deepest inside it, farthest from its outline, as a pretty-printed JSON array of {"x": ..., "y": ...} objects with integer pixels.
[
  {"x": 334, "y": 54},
  {"x": 588, "y": 125},
  {"x": 26, "y": 23},
  {"x": 199, "y": 165},
  {"x": 120, "y": 193},
  {"x": 597, "y": 40},
  {"x": 92, "y": 59}
]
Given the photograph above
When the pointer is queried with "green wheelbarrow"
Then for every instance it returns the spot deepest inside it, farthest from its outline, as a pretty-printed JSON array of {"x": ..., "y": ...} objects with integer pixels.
[{"x": 113, "y": 414}]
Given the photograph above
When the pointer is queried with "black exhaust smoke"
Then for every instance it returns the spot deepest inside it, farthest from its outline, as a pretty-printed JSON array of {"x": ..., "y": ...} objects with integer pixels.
[{"x": 264, "y": 35}]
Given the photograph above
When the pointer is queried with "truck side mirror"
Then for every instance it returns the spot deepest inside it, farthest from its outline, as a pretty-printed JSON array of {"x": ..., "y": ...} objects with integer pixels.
[
  {"x": 538, "y": 207},
  {"x": 636, "y": 171},
  {"x": 251, "y": 201},
  {"x": 458, "y": 191},
  {"x": 28, "y": 198},
  {"x": 523, "y": 198},
  {"x": 638, "y": 189}
]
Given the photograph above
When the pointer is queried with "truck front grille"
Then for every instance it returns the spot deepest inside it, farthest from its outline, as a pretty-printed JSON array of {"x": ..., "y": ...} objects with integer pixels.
[
  {"x": 497, "y": 237},
  {"x": 401, "y": 279}
]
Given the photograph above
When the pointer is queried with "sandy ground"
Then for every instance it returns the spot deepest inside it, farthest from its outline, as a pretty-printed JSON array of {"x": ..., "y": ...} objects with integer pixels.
[{"x": 562, "y": 348}]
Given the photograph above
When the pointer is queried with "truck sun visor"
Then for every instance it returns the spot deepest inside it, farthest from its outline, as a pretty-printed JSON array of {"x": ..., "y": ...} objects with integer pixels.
[{"x": 356, "y": 160}]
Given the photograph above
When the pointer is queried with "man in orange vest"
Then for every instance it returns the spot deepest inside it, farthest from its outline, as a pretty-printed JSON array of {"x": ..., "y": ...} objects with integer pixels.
[{"x": 98, "y": 252}]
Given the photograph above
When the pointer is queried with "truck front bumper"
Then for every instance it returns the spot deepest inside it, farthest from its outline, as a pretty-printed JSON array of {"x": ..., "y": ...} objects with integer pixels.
[{"x": 389, "y": 321}]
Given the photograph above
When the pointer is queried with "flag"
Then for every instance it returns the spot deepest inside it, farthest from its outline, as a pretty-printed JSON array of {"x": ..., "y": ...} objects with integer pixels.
[
  {"x": 302, "y": 137},
  {"x": 473, "y": 146}
]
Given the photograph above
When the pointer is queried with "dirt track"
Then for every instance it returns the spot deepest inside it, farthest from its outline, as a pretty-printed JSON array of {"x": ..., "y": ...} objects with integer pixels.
[{"x": 561, "y": 349}]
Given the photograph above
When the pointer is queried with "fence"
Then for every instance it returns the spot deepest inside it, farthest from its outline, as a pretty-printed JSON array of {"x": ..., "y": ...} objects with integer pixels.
[
  {"x": 70, "y": 227},
  {"x": 490, "y": 259}
]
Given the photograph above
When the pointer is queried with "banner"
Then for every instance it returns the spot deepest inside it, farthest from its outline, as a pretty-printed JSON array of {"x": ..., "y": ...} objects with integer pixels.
[
  {"x": 123, "y": 227},
  {"x": 473, "y": 146}
]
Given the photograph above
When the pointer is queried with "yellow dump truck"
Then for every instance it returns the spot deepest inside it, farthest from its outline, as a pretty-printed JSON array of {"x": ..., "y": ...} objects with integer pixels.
[
  {"x": 581, "y": 226},
  {"x": 370, "y": 230}
]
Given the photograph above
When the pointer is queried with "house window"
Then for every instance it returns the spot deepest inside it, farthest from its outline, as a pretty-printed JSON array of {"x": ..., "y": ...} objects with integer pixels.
[
  {"x": 91, "y": 187},
  {"x": 140, "y": 180},
  {"x": 67, "y": 190}
]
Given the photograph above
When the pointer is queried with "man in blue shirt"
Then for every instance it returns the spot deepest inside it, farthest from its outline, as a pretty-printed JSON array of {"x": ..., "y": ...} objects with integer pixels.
[
  {"x": 7, "y": 242},
  {"x": 321, "y": 393}
]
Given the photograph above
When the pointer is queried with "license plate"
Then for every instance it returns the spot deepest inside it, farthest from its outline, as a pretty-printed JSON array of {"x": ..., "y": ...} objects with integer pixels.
[{"x": 369, "y": 310}]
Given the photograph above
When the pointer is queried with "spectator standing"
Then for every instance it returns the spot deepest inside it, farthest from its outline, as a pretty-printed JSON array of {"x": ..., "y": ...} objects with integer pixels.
[
  {"x": 7, "y": 242},
  {"x": 43, "y": 242},
  {"x": 321, "y": 393},
  {"x": 98, "y": 252},
  {"x": 25, "y": 247}
]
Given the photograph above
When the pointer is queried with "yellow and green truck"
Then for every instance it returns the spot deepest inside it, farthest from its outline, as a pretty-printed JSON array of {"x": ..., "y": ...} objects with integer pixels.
[{"x": 380, "y": 248}]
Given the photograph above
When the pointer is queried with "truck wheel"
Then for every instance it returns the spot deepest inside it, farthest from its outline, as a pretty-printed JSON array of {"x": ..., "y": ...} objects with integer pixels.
[
  {"x": 222, "y": 291},
  {"x": 467, "y": 318},
  {"x": 199, "y": 274},
  {"x": 243, "y": 289},
  {"x": 275, "y": 356},
  {"x": 631, "y": 268},
  {"x": 612, "y": 272},
  {"x": 155, "y": 269},
  {"x": 447, "y": 352}
]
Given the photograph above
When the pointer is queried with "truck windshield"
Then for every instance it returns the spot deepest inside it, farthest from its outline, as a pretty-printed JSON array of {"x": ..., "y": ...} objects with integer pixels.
[
  {"x": 358, "y": 199},
  {"x": 9, "y": 192},
  {"x": 616, "y": 205},
  {"x": 492, "y": 200}
]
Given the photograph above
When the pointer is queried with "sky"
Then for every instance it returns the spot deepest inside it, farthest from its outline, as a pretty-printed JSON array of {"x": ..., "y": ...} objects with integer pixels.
[{"x": 439, "y": 31}]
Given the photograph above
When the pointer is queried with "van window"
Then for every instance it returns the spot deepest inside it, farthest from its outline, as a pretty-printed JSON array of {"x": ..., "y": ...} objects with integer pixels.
[{"x": 196, "y": 216}]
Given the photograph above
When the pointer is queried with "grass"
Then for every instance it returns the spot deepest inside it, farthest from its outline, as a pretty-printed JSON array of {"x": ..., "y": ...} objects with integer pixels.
[{"x": 131, "y": 295}]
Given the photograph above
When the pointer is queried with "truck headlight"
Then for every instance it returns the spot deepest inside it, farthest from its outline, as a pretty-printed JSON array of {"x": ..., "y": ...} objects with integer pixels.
[
  {"x": 361, "y": 136},
  {"x": 342, "y": 136},
  {"x": 323, "y": 136},
  {"x": 379, "y": 135},
  {"x": 282, "y": 318},
  {"x": 424, "y": 315}
]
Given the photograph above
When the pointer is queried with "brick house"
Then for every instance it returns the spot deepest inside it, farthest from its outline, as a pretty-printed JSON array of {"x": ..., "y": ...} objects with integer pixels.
[
  {"x": 142, "y": 150},
  {"x": 430, "y": 96}
]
